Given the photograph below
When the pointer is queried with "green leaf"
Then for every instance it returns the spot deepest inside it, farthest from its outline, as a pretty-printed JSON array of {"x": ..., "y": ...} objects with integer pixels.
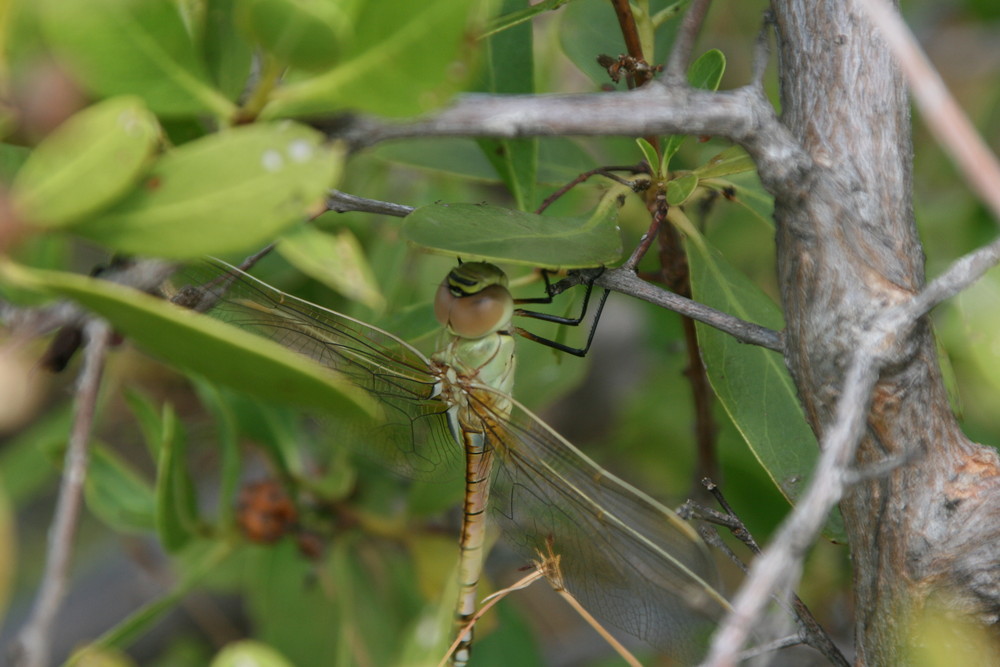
[
  {"x": 679, "y": 189},
  {"x": 117, "y": 494},
  {"x": 751, "y": 382},
  {"x": 228, "y": 56},
  {"x": 148, "y": 417},
  {"x": 336, "y": 260},
  {"x": 509, "y": 69},
  {"x": 247, "y": 653},
  {"x": 133, "y": 46},
  {"x": 649, "y": 154},
  {"x": 176, "y": 516},
  {"x": 479, "y": 231},
  {"x": 215, "y": 401},
  {"x": 202, "y": 345},
  {"x": 405, "y": 58},
  {"x": 513, "y": 18},
  {"x": 733, "y": 160},
  {"x": 300, "y": 33},
  {"x": 29, "y": 460},
  {"x": 224, "y": 193},
  {"x": 706, "y": 72},
  {"x": 91, "y": 160},
  {"x": 91, "y": 655},
  {"x": 12, "y": 158}
]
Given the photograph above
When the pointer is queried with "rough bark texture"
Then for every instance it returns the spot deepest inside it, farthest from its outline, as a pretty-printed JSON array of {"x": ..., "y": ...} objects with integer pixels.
[{"x": 847, "y": 249}]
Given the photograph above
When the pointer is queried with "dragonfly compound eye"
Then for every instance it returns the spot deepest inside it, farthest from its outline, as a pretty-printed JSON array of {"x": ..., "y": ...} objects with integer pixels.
[{"x": 476, "y": 314}]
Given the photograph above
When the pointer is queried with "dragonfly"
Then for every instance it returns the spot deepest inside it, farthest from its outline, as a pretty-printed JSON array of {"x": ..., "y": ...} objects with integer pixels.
[{"x": 627, "y": 558}]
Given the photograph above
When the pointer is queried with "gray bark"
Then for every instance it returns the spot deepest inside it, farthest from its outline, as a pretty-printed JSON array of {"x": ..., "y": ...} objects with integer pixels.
[{"x": 847, "y": 250}]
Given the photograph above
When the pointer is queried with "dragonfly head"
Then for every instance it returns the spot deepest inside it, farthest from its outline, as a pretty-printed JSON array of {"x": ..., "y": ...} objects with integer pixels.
[{"x": 473, "y": 300}]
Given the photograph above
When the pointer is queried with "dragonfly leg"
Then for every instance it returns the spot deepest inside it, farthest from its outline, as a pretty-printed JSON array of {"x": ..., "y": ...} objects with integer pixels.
[{"x": 567, "y": 321}]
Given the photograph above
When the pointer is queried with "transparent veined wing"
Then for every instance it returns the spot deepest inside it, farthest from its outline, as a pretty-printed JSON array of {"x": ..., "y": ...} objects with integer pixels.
[
  {"x": 412, "y": 435},
  {"x": 627, "y": 558}
]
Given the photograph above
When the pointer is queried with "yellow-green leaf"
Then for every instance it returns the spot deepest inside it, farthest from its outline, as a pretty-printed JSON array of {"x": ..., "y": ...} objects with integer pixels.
[
  {"x": 224, "y": 193},
  {"x": 337, "y": 260},
  {"x": 91, "y": 160},
  {"x": 202, "y": 345}
]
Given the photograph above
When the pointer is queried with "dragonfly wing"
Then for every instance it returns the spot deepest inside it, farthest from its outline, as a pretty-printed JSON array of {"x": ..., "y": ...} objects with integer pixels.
[
  {"x": 627, "y": 558},
  {"x": 412, "y": 435}
]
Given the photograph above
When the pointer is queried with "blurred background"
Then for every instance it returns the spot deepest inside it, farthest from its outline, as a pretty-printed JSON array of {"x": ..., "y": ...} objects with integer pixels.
[{"x": 370, "y": 554}]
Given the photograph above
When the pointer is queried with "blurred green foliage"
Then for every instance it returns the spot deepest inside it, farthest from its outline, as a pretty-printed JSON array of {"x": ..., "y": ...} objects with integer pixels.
[{"x": 220, "y": 161}]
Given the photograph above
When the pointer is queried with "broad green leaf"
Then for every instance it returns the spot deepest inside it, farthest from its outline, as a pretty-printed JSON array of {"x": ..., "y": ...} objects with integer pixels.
[
  {"x": 405, "y": 58},
  {"x": 117, "y": 494},
  {"x": 249, "y": 653},
  {"x": 300, "y": 33},
  {"x": 203, "y": 345},
  {"x": 733, "y": 160},
  {"x": 336, "y": 260},
  {"x": 509, "y": 69},
  {"x": 588, "y": 28},
  {"x": 679, "y": 189},
  {"x": 751, "y": 382},
  {"x": 224, "y": 193},
  {"x": 479, "y": 231},
  {"x": 228, "y": 56},
  {"x": 91, "y": 160},
  {"x": 176, "y": 516},
  {"x": 515, "y": 17},
  {"x": 133, "y": 46}
]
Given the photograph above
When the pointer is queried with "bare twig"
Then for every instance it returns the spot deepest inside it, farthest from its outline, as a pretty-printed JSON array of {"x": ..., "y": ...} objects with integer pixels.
[
  {"x": 811, "y": 632},
  {"x": 743, "y": 115},
  {"x": 687, "y": 34},
  {"x": 607, "y": 172},
  {"x": 35, "y": 638},
  {"x": 627, "y": 282},
  {"x": 343, "y": 202},
  {"x": 630, "y": 33},
  {"x": 779, "y": 566},
  {"x": 945, "y": 119}
]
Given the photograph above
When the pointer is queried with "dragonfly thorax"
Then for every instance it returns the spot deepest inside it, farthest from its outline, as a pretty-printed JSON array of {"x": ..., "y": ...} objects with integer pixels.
[{"x": 473, "y": 301}]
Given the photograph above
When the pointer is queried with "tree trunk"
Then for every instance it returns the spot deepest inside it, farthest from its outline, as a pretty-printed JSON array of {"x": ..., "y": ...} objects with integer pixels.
[{"x": 928, "y": 528}]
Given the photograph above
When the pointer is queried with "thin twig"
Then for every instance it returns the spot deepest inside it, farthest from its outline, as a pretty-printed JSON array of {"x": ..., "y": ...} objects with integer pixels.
[
  {"x": 811, "y": 632},
  {"x": 779, "y": 566},
  {"x": 35, "y": 639},
  {"x": 627, "y": 282},
  {"x": 488, "y": 603},
  {"x": 603, "y": 171},
  {"x": 343, "y": 202},
  {"x": 944, "y": 117},
  {"x": 687, "y": 34}
]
